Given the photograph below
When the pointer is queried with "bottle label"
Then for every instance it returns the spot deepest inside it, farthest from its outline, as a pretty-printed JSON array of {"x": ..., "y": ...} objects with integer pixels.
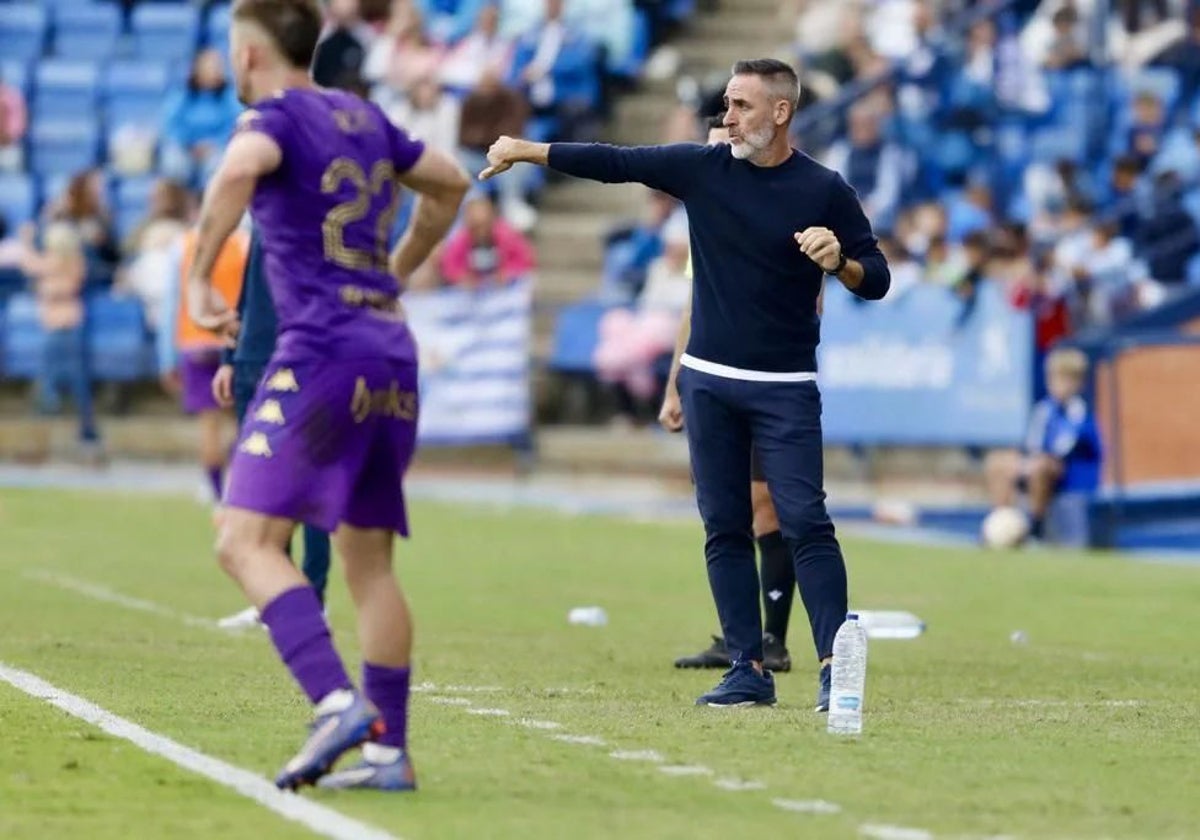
[{"x": 847, "y": 703}]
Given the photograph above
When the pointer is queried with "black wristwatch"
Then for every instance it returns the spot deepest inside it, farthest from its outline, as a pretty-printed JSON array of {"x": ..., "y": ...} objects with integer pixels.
[{"x": 837, "y": 269}]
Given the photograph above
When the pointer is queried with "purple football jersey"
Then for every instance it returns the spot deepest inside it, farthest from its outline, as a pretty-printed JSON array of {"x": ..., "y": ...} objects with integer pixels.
[{"x": 325, "y": 217}]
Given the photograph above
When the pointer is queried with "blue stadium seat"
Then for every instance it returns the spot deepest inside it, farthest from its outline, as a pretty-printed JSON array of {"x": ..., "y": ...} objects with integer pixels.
[
  {"x": 118, "y": 342},
  {"x": 15, "y": 74},
  {"x": 66, "y": 89},
  {"x": 22, "y": 338},
  {"x": 18, "y": 199},
  {"x": 575, "y": 336},
  {"x": 165, "y": 32},
  {"x": 63, "y": 146},
  {"x": 86, "y": 31},
  {"x": 133, "y": 92},
  {"x": 23, "y": 29}
]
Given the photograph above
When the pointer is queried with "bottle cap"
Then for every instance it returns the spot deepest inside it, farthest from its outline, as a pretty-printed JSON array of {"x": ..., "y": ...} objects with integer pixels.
[{"x": 852, "y": 616}]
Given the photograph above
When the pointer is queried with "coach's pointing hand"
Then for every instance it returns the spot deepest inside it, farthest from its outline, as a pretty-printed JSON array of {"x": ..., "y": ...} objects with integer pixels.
[
  {"x": 821, "y": 246},
  {"x": 509, "y": 150}
]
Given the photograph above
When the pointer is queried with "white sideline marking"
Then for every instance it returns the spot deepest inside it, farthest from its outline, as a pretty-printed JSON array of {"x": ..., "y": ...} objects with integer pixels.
[
  {"x": 893, "y": 832},
  {"x": 582, "y": 740},
  {"x": 489, "y": 712},
  {"x": 686, "y": 770},
  {"x": 102, "y": 593},
  {"x": 1051, "y": 704},
  {"x": 312, "y": 815},
  {"x": 807, "y": 806},
  {"x": 530, "y": 723},
  {"x": 653, "y": 756},
  {"x": 737, "y": 785},
  {"x": 459, "y": 689},
  {"x": 450, "y": 701}
]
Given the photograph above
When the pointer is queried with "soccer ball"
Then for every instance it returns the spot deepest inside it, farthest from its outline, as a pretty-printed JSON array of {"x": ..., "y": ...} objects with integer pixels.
[{"x": 1005, "y": 527}]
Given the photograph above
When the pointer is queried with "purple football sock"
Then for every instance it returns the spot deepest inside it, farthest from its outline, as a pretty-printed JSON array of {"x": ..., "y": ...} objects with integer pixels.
[
  {"x": 214, "y": 478},
  {"x": 302, "y": 638},
  {"x": 387, "y": 689}
]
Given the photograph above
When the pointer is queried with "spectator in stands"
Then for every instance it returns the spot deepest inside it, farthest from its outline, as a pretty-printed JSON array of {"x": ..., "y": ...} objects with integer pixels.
[
  {"x": 632, "y": 341},
  {"x": 13, "y": 122},
  {"x": 485, "y": 249},
  {"x": 401, "y": 55},
  {"x": 489, "y": 111},
  {"x": 1113, "y": 284},
  {"x": 343, "y": 46},
  {"x": 449, "y": 21},
  {"x": 199, "y": 120},
  {"x": 150, "y": 248},
  {"x": 631, "y": 248},
  {"x": 58, "y": 272},
  {"x": 553, "y": 67},
  {"x": 873, "y": 166},
  {"x": 1074, "y": 240},
  {"x": 82, "y": 205},
  {"x": 483, "y": 51},
  {"x": 1068, "y": 46},
  {"x": 1185, "y": 57},
  {"x": 1062, "y": 450},
  {"x": 429, "y": 114},
  {"x": 1122, "y": 196},
  {"x": 1149, "y": 121},
  {"x": 976, "y": 254},
  {"x": 1168, "y": 238}
]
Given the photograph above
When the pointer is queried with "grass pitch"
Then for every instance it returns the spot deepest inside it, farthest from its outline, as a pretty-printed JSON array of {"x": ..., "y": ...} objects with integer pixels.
[{"x": 1088, "y": 729}]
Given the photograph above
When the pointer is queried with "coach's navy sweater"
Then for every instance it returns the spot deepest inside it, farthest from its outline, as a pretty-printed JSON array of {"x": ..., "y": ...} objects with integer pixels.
[{"x": 754, "y": 303}]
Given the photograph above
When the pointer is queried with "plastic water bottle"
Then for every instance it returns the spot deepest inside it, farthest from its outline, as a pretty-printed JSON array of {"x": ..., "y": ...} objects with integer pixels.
[{"x": 849, "y": 677}]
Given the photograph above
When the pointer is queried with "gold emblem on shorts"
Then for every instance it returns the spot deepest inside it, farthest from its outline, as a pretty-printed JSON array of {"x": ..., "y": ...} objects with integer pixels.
[
  {"x": 256, "y": 444},
  {"x": 391, "y": 402},
  {"x": 283, "y": 380},
  {"x": 270, "y": 412}
]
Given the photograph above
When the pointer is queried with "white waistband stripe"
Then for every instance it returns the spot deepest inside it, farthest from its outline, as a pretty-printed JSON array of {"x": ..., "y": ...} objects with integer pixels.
[{"x": 748, "y": 375}]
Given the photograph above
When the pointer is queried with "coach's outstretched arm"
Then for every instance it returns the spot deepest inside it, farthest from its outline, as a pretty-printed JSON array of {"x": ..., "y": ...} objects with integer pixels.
[
  {"x": 864, "y": 271},
  {"x": 440, "y": 184},
  {"x": 670, "y": 169}
]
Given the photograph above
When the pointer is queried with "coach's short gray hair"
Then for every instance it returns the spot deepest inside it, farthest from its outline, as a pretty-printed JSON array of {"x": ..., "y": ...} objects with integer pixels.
[{"x": 779, "y": 76}]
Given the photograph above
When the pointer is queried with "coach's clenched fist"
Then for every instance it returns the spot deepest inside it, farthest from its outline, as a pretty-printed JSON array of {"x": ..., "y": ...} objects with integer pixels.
[{"x": 821, "y": 246}]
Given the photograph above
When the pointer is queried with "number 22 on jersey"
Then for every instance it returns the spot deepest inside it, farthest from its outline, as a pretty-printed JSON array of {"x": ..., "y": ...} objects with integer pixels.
[{"x": 333, "y": 228}]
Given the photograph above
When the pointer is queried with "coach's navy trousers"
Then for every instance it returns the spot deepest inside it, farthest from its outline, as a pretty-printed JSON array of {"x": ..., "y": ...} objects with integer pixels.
[{"x": 723, "y": 417}]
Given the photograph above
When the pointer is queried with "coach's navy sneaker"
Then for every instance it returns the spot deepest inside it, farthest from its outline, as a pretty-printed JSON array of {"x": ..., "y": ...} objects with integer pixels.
[
  {"x": 717, "y": 656},
  {"x": 775, "y": 654},
  {"x": 343, "y": 720},
  {"x": 824, "y": 687},
  {"x": 382, "y": 768},
  {"x": 742, "y": 686}
]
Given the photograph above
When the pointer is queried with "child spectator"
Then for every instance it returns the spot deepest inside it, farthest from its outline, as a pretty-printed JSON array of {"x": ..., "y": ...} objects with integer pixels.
[{"x": 1062, "y": 450}]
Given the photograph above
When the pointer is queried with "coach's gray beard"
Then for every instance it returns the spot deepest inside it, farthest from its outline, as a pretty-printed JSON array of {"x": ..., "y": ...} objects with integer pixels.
[{"x": 751, "y": 145}]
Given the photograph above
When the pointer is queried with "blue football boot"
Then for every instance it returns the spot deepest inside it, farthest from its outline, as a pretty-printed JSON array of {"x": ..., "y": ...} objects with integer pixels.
[{"x": 343, "y": 720}]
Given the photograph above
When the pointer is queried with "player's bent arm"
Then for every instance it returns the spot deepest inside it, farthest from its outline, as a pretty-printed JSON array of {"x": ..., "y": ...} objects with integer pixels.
[
  {"x": 250, "y": 155},
  {"x": 681, "y": 341},
  {"x": 440, "y": 184}
]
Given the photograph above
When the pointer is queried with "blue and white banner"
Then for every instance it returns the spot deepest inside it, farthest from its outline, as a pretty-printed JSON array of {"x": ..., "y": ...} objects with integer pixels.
[
  {"x": 474, "y": 355},
  {"x": 924, "y": 369}
]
